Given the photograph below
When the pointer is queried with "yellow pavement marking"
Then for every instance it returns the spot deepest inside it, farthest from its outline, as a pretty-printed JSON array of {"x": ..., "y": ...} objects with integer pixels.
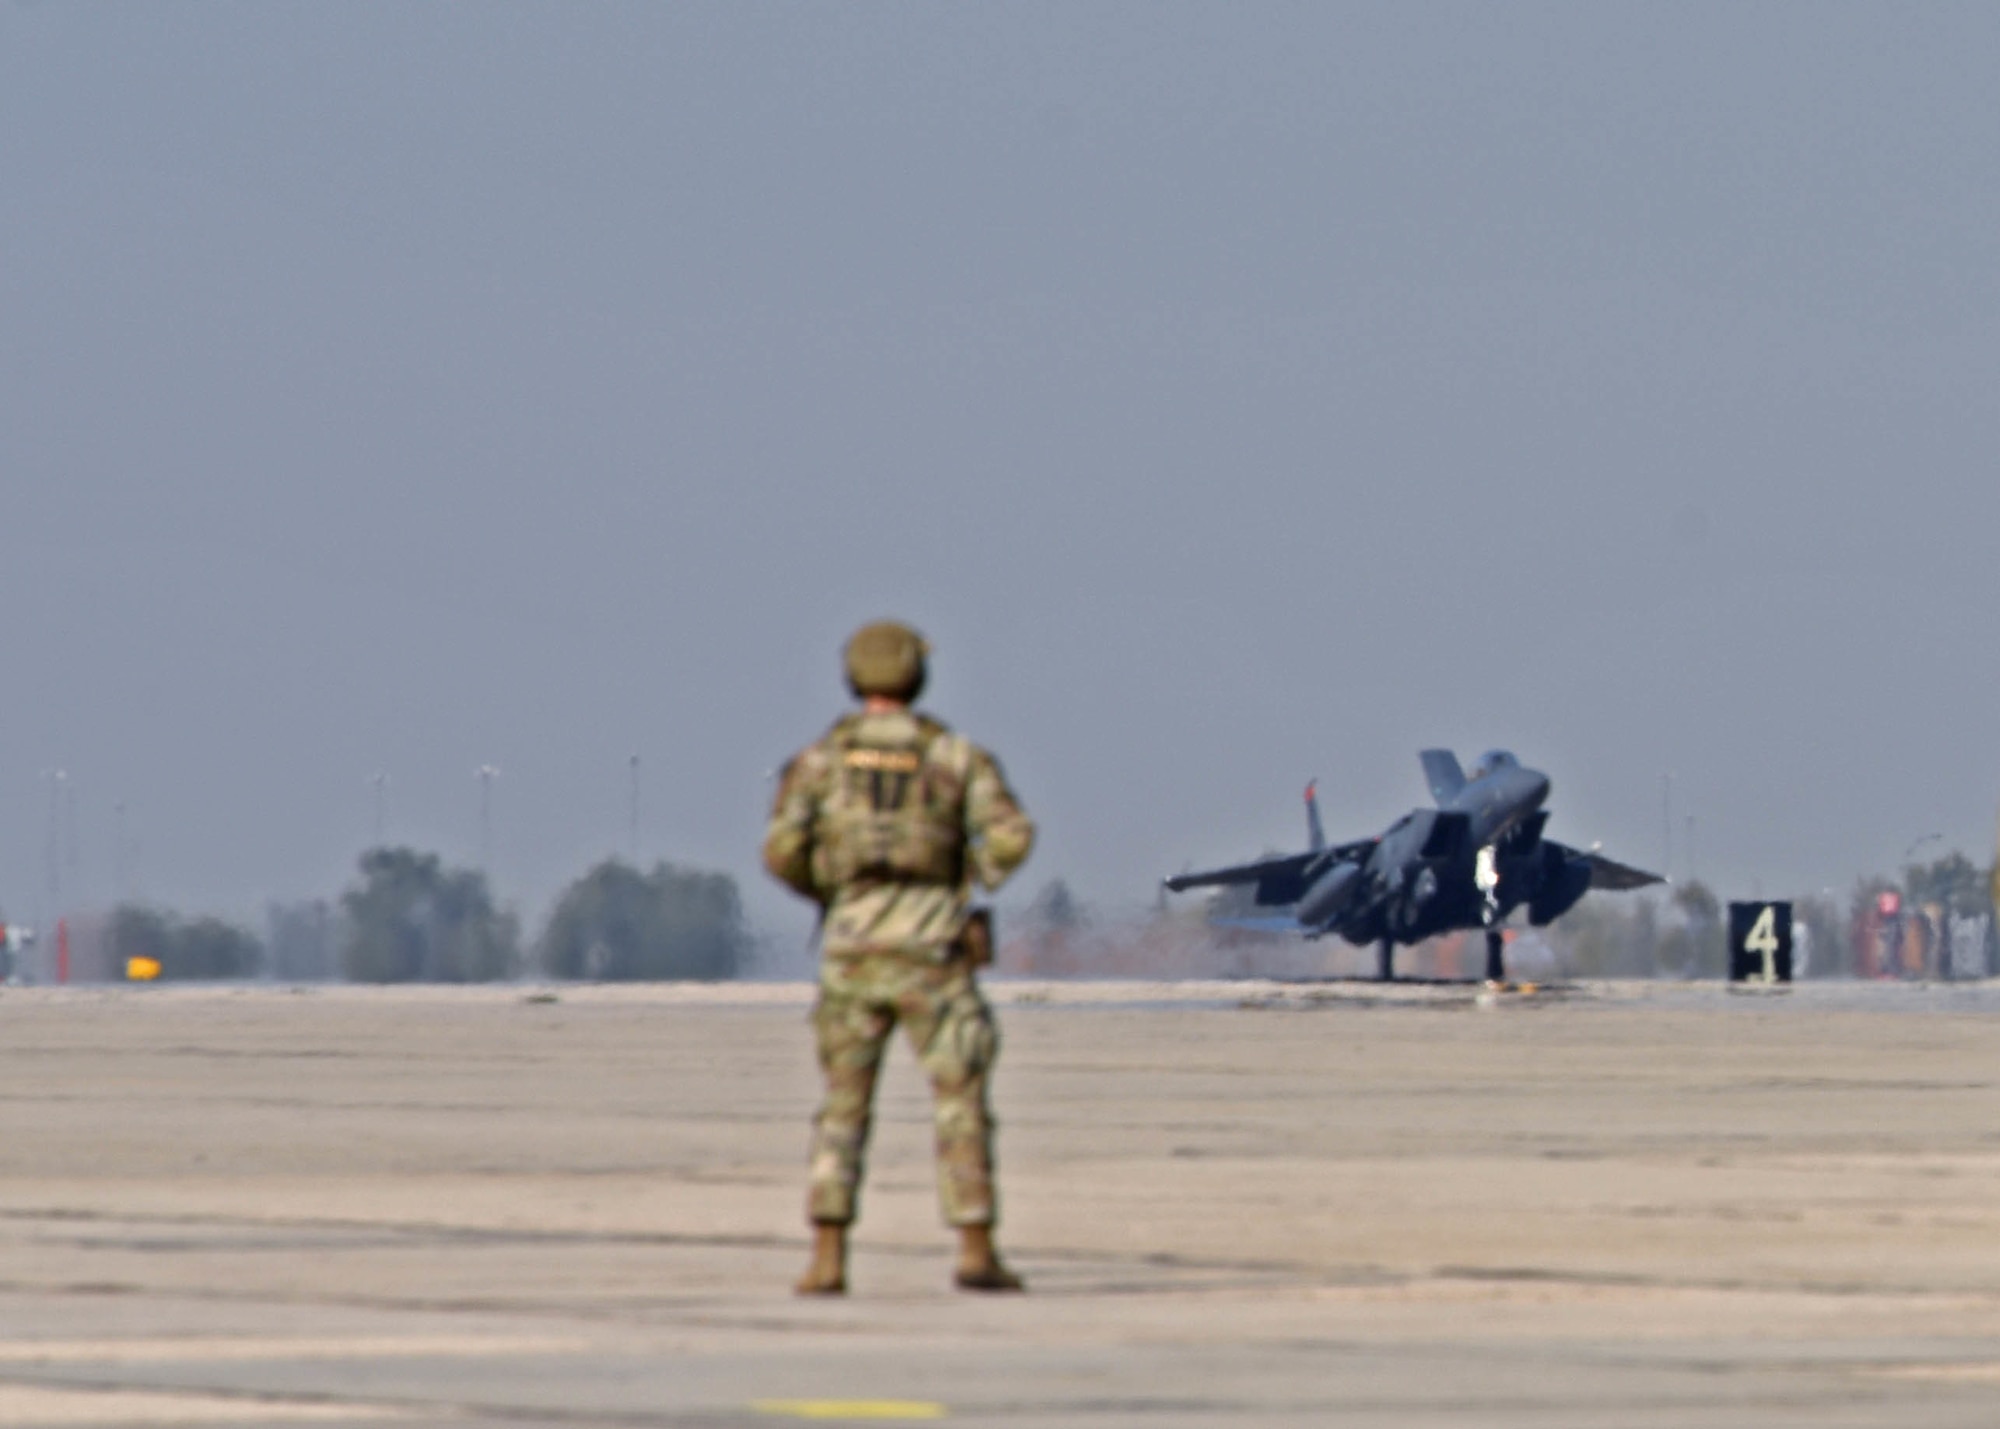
[
  {"x": 850, "y": 1408},
  {"x": 42, "y": 1404},
  {"x": 202, "y": 1348}
]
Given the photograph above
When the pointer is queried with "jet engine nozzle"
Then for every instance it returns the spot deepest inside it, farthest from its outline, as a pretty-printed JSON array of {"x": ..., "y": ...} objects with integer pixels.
[{"x": 1563, "y": 883}]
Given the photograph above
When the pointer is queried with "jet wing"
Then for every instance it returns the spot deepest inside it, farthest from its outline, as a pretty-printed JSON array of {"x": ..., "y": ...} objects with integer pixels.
[
  {"x": 1286, "y": 866},
  {"x": 1609, "y": 873},
  {"x": 1281, "y": 879}
]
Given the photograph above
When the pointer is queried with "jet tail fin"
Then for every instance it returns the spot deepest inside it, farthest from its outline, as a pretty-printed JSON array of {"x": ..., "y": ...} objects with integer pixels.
[
  {"x": 1315, "y": 831},
  {"x": 1446, "y": 778}
]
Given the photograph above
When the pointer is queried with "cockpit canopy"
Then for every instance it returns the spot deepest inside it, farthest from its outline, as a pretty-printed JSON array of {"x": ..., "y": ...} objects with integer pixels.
[{"x": 1494, "y": 759}]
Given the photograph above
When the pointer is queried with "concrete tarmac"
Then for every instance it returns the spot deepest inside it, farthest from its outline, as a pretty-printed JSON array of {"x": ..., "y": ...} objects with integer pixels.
[{"x": 1623, "y": 1204}]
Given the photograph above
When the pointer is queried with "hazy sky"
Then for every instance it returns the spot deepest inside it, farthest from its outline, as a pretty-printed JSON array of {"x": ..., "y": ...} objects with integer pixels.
[{"x": 1235, "y": 393}]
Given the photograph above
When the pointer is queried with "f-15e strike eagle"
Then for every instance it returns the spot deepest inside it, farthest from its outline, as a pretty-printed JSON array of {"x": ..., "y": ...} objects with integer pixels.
[{"x": 1465, "y": 864}]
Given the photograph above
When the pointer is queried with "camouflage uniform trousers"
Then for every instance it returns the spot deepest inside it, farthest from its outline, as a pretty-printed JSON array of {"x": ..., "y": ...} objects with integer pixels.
[{"x": 861, "y": 999}]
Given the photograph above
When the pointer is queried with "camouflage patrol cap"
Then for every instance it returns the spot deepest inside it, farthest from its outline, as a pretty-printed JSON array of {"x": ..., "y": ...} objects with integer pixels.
[{"x": 886, "y": 658}]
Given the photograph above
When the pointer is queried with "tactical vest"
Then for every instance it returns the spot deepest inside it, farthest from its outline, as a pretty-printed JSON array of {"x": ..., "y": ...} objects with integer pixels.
[{"x": 895, "y": 808}]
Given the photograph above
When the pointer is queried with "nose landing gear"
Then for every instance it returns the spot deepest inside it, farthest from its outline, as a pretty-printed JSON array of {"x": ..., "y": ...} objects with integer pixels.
[{"x": 1486, "y": 878}]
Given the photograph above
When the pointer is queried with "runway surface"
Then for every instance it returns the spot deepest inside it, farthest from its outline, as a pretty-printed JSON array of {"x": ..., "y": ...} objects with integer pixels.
[{"x": 1626, "y": 1204}]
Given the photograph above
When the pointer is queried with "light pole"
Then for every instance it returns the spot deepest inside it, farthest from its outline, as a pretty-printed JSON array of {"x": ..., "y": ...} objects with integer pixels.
[
  {"x": 120, "y": 874},
  {"x": 1667, "y": 826},
  {"x": 633, "y": 764},
  {"x": 70, "y": 846},
  {"x": 486, "y": 773},
  {"x": 56, "y": 779}
]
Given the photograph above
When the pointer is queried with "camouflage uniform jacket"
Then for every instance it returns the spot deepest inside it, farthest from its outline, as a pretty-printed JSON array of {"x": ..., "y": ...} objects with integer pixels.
[{"x": 887, "y": 822}]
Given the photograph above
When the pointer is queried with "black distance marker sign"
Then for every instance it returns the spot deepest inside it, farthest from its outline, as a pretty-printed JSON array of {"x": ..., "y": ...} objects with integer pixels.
[{"x": 1760, "y": 942}]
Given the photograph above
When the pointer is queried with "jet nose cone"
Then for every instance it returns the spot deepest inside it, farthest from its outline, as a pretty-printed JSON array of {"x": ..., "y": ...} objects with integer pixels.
[
  {"x": 1520, "y": 793},
  {"x": 1510, "y": 796}
]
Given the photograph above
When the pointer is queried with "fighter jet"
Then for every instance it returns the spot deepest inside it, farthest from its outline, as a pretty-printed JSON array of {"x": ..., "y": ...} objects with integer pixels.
[{"x": 1465, "y": 864}]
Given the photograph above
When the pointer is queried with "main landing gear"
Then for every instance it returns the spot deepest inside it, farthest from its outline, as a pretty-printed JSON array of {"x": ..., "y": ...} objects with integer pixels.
[
  {"x": 1385, "y": 960},
  {"x": 1496, "y": 964}
]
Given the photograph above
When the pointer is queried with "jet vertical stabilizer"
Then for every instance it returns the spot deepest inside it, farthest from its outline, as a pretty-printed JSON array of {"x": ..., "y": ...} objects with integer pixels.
[
  {"x": 1315, "y": 831},
  {"x": 1442, "y": 771}
]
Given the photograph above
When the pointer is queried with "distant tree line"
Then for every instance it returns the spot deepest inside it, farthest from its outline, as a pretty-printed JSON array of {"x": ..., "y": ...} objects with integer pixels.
[
  {"x": 617, "y": 924},
  {"x": 409, "y": 917},
  {"x": 183, "y": 947}
]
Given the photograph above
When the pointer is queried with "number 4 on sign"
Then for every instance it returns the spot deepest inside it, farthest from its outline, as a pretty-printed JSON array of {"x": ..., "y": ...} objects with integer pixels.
[
  {"x": 1763, "y": 940},
  {"x": 1760, "y": 943}
]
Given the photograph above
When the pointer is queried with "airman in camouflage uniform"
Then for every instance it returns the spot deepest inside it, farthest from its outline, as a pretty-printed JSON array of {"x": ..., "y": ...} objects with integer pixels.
[{"x": 887, "y": 822}]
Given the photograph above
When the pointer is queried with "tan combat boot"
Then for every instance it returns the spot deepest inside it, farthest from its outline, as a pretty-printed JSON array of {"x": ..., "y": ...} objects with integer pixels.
[
  {"x": 827, "y": 1275},
  {"x": 979, "y": 1266}
]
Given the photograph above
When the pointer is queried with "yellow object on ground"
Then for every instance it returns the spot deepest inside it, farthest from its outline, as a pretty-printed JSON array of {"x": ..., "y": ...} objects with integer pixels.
[
  {"x": 862, "y": 1409},
  {"x": 142, "y": 969}
]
